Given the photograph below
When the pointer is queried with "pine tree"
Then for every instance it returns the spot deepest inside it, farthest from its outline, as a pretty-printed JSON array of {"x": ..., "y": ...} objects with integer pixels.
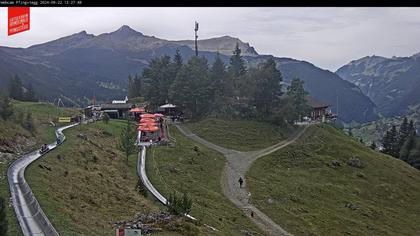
[
  {"x": 6, "y": 107},
  {"x": 404, "y": 132},
  {"x": 141, "y": 188},
  {"x": 412, "y": 129},
  {"x": 221, "y": 86},
  {"x": 386, "y": 143},
  {"x": 127, "y": 139},
  {"x": 298, "y": 94},
  {"x": 390, "y": 142},
  {"x": 159, "y": 75},
  {"x": 237, "y": 63},
  {"x": 3, "y": 218},
  {"x": 30, "y": 94},
  {"x": 177, "y": 62},
  {"x": 29, "y": 123},
  {"x": 218, "y": 77},
  {"x": 131, "y": 89},
  {"x": 16, "y": 88},
  {"x": 407, "y": 148},
  {"x": 191, "y": 89},
  {"x": 373, "y": 145},
  {"x": 268, "y": 87}
]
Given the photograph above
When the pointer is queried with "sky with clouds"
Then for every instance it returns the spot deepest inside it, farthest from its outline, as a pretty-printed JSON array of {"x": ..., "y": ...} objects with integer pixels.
[{"x": 326, "y": 37}]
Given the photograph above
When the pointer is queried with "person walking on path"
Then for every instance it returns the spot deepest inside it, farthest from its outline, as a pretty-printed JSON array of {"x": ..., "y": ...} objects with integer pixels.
[
  {"x": 241, "y": 181},
  {"x": 249, "y": 197}
]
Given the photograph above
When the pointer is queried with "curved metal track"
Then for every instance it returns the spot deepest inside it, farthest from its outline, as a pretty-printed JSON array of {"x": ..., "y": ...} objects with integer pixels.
[{"x": 32, "y": 219}]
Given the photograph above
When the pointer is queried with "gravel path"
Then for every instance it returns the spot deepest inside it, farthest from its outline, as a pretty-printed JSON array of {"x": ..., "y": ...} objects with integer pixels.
[{"x": 237, "y": 165}]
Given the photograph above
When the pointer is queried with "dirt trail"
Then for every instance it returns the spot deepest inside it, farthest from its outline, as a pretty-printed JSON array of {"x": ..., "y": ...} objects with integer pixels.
[{"x": 237, "y": 165}]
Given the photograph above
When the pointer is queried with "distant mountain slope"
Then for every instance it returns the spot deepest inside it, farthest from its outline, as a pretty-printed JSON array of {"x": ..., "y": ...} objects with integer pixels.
[
  {"x": 328, "y": 87},
  {"x": 223, "y": 45},
  {"x": 391, "y": 83},
  {"x": 80, "y": 65}
]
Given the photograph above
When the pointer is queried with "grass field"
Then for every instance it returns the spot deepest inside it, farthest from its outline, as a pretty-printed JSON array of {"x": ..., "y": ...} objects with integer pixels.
[
  {"x": 198, "y": 174},
  {"x": 90, "y": 185},
  {"x": 12, "y": 132},
  {"x": 300, "y": 190},
  {"x": 239, "y": 135}
]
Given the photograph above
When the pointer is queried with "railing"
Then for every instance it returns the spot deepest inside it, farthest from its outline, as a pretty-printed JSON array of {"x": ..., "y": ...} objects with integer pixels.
[{"x": 29, "y": 213}]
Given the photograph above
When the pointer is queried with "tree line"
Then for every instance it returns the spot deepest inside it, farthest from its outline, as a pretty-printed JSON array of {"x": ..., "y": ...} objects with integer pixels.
[
  {"x": 8, "y": 112},
  {"x": 18, "y": 91},
  {"x": 403, "y": 143},
  {"x": 220, "y": 90}
]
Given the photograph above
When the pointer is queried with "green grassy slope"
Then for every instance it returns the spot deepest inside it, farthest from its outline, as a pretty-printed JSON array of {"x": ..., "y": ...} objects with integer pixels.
[
  {"x": 12, "y": 133},
  {"x": 89, "y": 186},
  {"x": 300, "y": 190},
  {"x": 198, "y": 174},
  {"x": 238, "y": 134}
]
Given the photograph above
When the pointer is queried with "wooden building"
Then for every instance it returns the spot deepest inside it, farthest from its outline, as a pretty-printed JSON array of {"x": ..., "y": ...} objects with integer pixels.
[{"x": 319, "y": 109}]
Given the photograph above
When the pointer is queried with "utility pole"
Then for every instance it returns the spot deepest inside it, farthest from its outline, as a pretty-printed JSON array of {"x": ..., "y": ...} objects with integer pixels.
[
  {"x": 196, "y": 37},
  {"x": 337, "y": 105}
]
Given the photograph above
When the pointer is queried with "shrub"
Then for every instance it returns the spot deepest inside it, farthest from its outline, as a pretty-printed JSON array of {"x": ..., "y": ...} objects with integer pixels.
[
  {"x": 105, "y": 118},
  {"x": 179, "y": 205},
  {"x": 141, "y": 188}
]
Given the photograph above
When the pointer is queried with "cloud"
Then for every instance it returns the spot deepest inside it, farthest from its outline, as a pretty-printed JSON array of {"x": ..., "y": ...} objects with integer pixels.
[{"x": 327, "y": 37}]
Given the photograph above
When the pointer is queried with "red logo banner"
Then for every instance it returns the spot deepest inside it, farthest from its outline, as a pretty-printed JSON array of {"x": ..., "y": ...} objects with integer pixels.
[{"x": 19, "y": 20}]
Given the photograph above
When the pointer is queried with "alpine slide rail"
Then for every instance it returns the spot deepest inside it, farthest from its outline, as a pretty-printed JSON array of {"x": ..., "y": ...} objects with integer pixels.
[{"x": 29, "y": 213}]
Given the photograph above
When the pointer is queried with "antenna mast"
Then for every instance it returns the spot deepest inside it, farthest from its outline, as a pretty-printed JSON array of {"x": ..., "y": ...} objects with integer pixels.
[{"x": 196, "y": 37}]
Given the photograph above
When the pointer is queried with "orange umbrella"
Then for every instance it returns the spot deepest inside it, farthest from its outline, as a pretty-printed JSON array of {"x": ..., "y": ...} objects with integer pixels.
[
  {"x": 143, "y": 128},
  {"x": 147, "y": 116},
  {"x": 158, "y": 115},
  {"x": 150, "y": 128},
  {"x": 153, "y": 128},
  {"x": 148, "y": 124},
  {"x": 137, "y": 110},
  {"x": 147, "y": 120}
]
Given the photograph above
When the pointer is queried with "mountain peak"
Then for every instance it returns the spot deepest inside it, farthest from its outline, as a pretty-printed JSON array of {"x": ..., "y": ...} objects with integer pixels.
[
  {"x": 126, "y": 30},
  {"x": 416, "y": 55}
]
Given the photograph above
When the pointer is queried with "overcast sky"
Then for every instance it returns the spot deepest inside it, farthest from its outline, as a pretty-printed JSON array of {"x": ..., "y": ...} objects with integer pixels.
[{"x": 326, "y": 37}]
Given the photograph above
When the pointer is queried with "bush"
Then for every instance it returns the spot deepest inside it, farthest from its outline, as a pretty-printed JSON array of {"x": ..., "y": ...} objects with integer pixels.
[
  {"x": 6, "y": 107},
  {"x": 141, "y": 188},
  {"x": 105, "y": 119},
  {"x": 179, "y": 205},
  {"x": 28, "y": 123},
  {"x": 355, "y": 162}
]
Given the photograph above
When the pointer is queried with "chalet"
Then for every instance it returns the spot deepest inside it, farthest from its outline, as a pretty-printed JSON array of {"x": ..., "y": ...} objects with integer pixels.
[
  {"x": 120, "y": 101},
  {"x": 117, "y": 110},
  {"x": 320, "y": 110}
]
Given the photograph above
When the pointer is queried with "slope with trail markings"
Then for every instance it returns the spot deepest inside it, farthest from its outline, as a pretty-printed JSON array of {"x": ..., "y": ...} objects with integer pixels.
[{"x": 237, "y": 165}]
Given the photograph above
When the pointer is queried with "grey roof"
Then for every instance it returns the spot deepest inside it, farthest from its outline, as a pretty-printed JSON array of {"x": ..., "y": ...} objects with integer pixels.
[{"x": 112, "y": 106}]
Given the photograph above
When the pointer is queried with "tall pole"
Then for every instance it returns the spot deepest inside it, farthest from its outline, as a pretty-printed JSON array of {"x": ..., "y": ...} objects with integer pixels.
[
  {"x": 196, "y": 37},
  {"x": 337, "y": 106}
]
